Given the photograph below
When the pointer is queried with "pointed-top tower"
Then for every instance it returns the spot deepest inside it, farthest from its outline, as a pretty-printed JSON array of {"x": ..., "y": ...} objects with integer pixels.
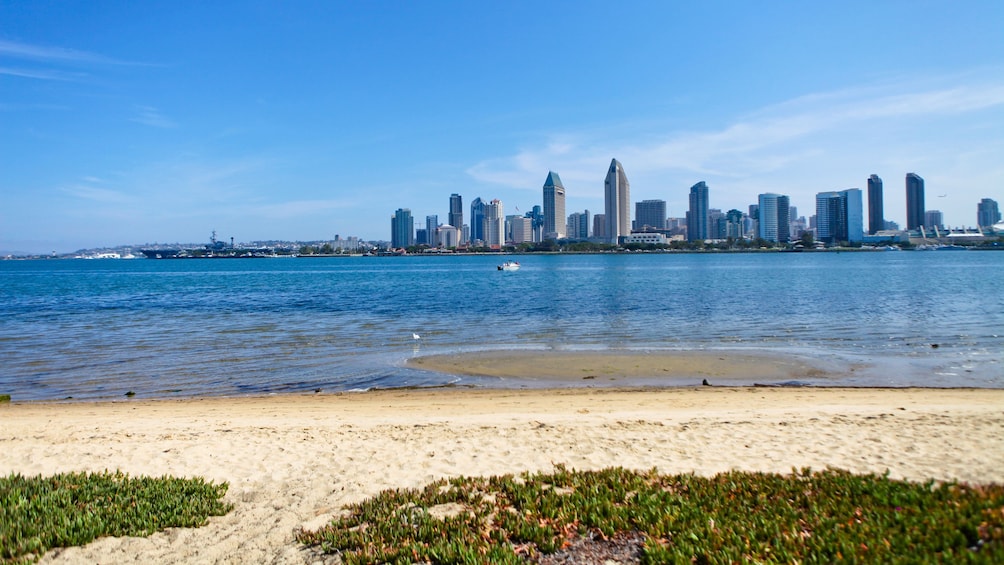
[
  {"x": 617, "y": 198},
  {"x": 554, "y": 207}
]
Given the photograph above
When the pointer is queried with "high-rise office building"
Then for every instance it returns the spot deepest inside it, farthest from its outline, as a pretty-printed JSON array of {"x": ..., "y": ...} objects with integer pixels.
[
  {"x": 554, "y": 207},
  {"x": 431, "y": 227},
  {"x": 578, "y": 225},
  {"x": 617, "y": 200},
  {"x": 599, "y": 226},
  {"x": 987, "y": 213},
  {"x": 650, "y": 214},
  {"x": 477, "y": 220},
  {"x": 876, "y": 214},
  {"x": 402, "y": 229},
  {"x": 839, "y": 216},
  {"x": 734, "y": 224},
  {"x": 456, "y": 215},
  {"x": 914, "y": 201},
  {"x": 934, "y": 219},
  {"x": 494, "y": 224},
  {"x": 536, "y": 216},
  {"x": 775, "y": 218},
  {"x": 697, "y": 216}
]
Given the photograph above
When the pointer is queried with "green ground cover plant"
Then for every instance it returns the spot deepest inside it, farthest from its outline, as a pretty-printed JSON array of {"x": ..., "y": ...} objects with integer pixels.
[
  {"x": 41, "y": 513},
  {"x": 827, "y": 516}
]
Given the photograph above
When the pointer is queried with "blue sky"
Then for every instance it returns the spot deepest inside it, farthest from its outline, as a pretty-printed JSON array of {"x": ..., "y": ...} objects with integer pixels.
[{"x": 142, "y": 122}]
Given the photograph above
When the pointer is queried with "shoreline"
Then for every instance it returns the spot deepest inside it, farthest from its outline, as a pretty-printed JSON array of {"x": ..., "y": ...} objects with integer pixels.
[{"x": 293, "y": 460}]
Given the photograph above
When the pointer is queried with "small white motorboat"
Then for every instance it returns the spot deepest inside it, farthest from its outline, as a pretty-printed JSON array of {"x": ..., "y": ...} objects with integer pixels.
[{"x": 509, "y": 266}]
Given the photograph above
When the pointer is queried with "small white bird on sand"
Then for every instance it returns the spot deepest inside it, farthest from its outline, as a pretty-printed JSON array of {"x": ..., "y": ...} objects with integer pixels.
[{"x": 415, "y": 336}]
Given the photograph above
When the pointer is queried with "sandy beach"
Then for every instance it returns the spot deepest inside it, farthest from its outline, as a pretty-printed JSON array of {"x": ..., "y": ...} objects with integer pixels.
[{"x": 293, "y": 461}]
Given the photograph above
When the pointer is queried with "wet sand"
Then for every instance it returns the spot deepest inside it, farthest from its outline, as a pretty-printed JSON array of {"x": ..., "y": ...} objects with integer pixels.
[{"x": 582, "y": 368}]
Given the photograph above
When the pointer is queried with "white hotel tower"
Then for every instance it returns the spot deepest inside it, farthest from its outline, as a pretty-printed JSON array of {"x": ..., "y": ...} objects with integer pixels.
[{"x": 617, "y": 198}]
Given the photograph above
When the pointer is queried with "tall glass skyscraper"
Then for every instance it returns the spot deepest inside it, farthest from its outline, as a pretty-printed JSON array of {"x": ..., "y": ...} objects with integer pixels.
[
  {"x": 650, "y": 213},
  {"x": 775, "y": 218},
  {"x": 839, "y": 216},
  {"x": 876, "y": 215},
  {"x": 554, "y": 207},
  {"x": 456, "y": 215},
  {"x": 477, "y": 220},
  {"x": 431, "y": 226},
  {"x": 402, "y": 229},
  {"x": 617, "y": 200},
  {"x": 494, "y": 224},
  {"x": 914, "y": 201},
  {"x": 987, "y": 213},
  {"x": 697, "y": 216}
]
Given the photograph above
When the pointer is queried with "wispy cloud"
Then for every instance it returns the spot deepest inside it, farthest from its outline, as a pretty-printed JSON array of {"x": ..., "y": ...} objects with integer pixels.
[
  {"x": 42, "y": 74},
  {"x": 150, "y": 116},
  {"x": 17, "y": 50},
  {"x": 766, "y": 141},
  {"x": 299, "y": 208},
  {"x": 96, "y": 194}
]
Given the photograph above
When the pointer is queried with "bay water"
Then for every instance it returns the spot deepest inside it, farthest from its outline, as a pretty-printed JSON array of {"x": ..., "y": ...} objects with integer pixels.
[{"x": 97, "y": 329}]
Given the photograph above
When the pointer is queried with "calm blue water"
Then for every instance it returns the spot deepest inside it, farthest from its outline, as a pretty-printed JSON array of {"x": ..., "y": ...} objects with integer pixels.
[{"x": 96, "y": 329}]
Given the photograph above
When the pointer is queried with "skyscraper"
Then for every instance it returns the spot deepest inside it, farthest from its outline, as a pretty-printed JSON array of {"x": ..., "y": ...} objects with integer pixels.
[
  {"x": 775, "y": 219},
  {"x": 402, "y": 229},
  {"x": 554, "y": 207},
  {"x": 477, "y": 220},
  {"x": 914, "y": 201},
  {"x": 494, "y": 224},
  {"x": 578, "y": 225},
  {"x": 456, "y": 215},
  {"x": 839, "y": 216},
  {"x": 599, "y": 226},
  {"x": 876, "y": 215},
  {"x": 617, "y": 200},
  {"x": 987, "y": 213},
  {"x": 431, "y": 226},
  {"x": 934, "y": 219},
  {"x": 651, "y": 214},
  {"x": 697, "y": 217}
]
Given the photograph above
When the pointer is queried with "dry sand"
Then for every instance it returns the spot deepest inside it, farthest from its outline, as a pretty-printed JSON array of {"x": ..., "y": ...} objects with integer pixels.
[{"x": 293, "y": 461}]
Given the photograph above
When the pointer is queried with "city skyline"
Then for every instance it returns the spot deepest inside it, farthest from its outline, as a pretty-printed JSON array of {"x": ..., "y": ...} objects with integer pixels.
[
  {"x": 774, "y": 219},
  {"x": 140, "y": 123}
]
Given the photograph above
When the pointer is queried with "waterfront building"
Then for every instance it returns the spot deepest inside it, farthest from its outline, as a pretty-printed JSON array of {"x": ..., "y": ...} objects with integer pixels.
[
  {"x": 775, "y": 218},
  {"x": 987, "y": 213},
  {"x": 599, "y": 226},
  {"x": 617, "y": 200},
  {"x": 734, "y": 224},
  {"x": 494, "y": 224},
  {"x": 654, "y": 238},
  {"x": 876, "y": 214},
  {"x": 578, "y": 225},
  {"x": 477, "y": 221},
  {"x": 554, "y": 207},
  {"x": 431, "y": 226},
  {"x": 536, "y": 216},
  {"x": 402, "y": 229},
  {"x": 717, "y": 223},
  {"x": 697, "y": 216},
  {"x": 456, "y": 215},
  {"x": 914, "y": 201},
  {"x": 839, "y": 216},
  {"x": 447, "y": 236},
  {"x": 519, "y": 229},
  {"x": 650, "y": 215},
  {"x": 934, "y": 219}
]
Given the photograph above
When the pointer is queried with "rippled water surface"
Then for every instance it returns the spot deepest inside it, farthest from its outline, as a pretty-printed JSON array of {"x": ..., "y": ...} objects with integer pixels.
[{"x": 96, "y": 329}]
